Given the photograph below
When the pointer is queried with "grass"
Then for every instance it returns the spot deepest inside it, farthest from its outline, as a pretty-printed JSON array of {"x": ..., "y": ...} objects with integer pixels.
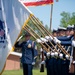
[{"x": 19, "y": 72}]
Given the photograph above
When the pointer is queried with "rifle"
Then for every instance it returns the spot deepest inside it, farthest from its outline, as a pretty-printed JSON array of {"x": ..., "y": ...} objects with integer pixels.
[{"x": 42, "y": 65}]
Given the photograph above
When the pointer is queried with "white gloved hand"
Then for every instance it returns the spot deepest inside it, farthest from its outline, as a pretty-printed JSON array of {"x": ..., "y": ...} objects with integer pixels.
[
  {"x": 56, "y": 54},
  {"x": 47, "y": 37},
  {"x": 33, "y": 63},
  {"x": 56, "y": 40},
  {"x": 38, "y": 40},
  {"x": 67, "y": 57},
  {"x": 61, "y": 55},
  {"x": 43, "y": 62},
  {"x": 48, "y": 54},
  {"x": 19, "y": 38},
  {"x": 51, "y": 38},
  {"x": 44, "y": 40},
  {"x": 73, "y": 43},
  {"x": 52, "y": 54}
]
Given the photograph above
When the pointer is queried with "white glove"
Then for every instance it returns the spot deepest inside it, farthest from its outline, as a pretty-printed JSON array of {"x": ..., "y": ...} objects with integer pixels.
[
  {"x": 44, "y": 40},
  {"x": 56, "y": 40},
  {"x": 61, "y": 55},
  {"x": 43, "y": 62},
  {"x": 48, "y": 54},
  {"x": 67, "y": 57},
  {"x": 56, "y": 54},
  {"x": 38, "y": 40},
  {"x": 50, "y": 37},
  {"x": 73, "y": 43},
  {"x": 33, "y": 63},
  {"x": 52, "y": 54}
]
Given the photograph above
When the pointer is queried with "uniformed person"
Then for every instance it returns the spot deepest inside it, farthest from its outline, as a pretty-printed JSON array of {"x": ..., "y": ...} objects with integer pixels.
[
  {"x": 66, "y": 41},
  {"x": 61, "y": 31},
  {"x": 54, "y": 32},
  {"x": 29, "y": 53}
]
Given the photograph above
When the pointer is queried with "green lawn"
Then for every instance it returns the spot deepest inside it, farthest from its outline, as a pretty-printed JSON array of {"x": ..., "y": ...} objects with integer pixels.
[{"x": 19, "y": 72}]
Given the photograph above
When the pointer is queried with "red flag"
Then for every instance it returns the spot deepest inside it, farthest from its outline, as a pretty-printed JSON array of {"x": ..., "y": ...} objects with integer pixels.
[{"x": 36, "y": 2}]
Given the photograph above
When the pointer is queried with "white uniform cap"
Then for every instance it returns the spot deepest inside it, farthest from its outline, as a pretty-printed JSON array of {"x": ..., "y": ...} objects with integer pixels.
[
  {"x": 52, "y": 54},
  {"x": 67, "y": 57},
  {"x": 47, "y": 37}
]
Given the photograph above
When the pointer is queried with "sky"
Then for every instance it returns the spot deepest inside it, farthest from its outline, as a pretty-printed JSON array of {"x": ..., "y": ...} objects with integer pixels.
[{"x": 43, "y": 12}]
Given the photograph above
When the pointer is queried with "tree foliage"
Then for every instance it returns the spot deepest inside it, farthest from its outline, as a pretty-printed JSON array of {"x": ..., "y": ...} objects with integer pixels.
[{"x": 67, "y": 19}]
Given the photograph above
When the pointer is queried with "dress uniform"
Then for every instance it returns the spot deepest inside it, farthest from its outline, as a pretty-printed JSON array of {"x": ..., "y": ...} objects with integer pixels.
[
  {"x": 65, "y": 41},
  {"x": 54, "y": 32},
  {"x": 28, "y": 54},
  {"x": 50, "y": 64}
]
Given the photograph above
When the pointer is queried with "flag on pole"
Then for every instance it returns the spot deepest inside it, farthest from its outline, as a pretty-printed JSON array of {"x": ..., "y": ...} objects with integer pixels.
[
  {"x": 14, "y": 15},
  {"x": 36, "y": 2}
]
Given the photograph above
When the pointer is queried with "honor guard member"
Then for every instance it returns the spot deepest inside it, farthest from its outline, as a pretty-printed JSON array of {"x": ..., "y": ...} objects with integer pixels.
[
  {"x": 29, "y": 53},
  {"x": 65, "y": 64},
  {"x": 61, "y": 31},
  {"x": 70, "y": 28},
  {"x": 54, "y": 32}
]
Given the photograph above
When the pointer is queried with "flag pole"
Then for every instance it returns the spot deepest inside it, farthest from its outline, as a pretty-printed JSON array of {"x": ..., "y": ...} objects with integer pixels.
[{"x": 51, "y": 17}]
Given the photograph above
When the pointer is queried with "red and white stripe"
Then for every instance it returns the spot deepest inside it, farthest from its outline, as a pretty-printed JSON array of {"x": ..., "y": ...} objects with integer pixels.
[{"x": 36, "y": 2}]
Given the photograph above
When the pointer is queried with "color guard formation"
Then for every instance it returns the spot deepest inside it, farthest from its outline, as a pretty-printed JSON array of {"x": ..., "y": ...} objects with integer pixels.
[
  {"x": 58, "y": 49},
  {"x": 60, "y": 61}
]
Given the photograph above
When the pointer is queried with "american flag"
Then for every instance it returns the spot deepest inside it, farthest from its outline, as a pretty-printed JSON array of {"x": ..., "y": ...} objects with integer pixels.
[{"x": 1, "y": 32}]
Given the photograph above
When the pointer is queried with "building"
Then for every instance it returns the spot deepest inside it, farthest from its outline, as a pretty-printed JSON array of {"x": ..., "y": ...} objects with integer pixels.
[{"x": 13, "y": 61}]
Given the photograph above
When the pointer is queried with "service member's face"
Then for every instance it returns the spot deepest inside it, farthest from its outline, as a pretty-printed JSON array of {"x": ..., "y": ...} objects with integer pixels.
[
  {"x": 71, "y": 32},
  {"x": 67, "y": 33},
  {"x": 27, "y": 38}
]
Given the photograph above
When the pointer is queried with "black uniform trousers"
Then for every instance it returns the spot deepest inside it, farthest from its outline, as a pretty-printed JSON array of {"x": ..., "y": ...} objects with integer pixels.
[
  {"x": 27, "y": 69},
  {"x": 50, "y": 65}
]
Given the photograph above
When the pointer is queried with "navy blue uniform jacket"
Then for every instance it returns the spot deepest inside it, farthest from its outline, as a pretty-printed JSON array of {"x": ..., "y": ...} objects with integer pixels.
[{"x": 28, "y": 54}]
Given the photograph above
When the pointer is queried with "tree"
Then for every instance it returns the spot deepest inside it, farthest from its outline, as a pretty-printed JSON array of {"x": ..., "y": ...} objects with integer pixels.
[
  {"x": 72, "y": 19},
  {"x": 67, "y": 19}
]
